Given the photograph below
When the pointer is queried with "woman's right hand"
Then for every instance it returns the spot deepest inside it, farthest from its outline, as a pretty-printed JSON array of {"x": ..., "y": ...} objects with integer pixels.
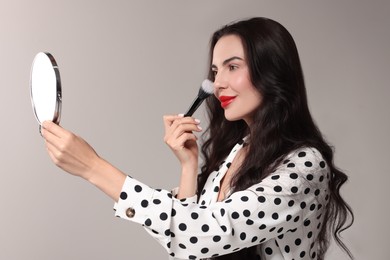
[{"x": 180, "y": 138}]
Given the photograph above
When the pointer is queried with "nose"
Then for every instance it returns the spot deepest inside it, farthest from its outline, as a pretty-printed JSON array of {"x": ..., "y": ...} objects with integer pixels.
[{"x": 220, "y": 82}]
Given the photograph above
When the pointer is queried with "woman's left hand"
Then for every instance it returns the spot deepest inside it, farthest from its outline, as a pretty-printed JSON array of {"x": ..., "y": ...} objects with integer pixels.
[{"x": 69, "y": 151}]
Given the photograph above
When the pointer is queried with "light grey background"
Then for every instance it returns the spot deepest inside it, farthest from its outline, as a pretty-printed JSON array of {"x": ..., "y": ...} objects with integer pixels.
[{"x": 124, "y": 64}]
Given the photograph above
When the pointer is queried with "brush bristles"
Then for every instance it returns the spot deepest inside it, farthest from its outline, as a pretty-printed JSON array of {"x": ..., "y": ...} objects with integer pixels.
[{"x": 206, "y": 89}]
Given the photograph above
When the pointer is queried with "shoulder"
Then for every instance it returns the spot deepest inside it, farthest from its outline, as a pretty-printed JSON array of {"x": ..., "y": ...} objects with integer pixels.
[
  {"x": 301, "y": 167},
  {"x": 305, "y": 158}
]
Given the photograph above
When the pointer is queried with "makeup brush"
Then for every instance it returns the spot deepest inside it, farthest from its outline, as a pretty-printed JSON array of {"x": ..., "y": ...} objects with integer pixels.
[{"x": 205, "y": 90}]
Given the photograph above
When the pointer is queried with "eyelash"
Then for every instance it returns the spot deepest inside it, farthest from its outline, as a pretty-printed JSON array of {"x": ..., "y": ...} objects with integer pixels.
[{"x": 231, "y": 68}]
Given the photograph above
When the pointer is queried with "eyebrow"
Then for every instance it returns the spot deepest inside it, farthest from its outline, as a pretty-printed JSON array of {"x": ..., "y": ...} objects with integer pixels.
[{"x": 227, "y": 61}]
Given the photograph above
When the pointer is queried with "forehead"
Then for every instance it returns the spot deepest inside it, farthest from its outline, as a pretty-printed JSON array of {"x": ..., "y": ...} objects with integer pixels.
[{"x": 228, "y": 46}]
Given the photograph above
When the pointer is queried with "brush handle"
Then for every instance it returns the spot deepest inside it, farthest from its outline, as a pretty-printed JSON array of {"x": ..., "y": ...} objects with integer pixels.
[{"x": 194, "y": 106}]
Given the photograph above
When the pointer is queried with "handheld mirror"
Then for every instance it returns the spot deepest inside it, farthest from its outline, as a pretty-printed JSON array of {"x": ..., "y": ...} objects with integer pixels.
[{"x": 45, "y": 85}]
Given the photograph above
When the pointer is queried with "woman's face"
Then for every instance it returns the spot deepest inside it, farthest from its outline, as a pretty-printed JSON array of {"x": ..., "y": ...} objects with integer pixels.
[{"x": 232, "y": 84}]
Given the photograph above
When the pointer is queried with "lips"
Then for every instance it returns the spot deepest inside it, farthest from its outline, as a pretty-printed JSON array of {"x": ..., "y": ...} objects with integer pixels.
[{"x": 226, "y": 100}]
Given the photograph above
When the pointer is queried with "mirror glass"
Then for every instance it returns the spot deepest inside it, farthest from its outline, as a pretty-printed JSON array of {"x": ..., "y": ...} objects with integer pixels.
[{"x": 45, "y": 87}]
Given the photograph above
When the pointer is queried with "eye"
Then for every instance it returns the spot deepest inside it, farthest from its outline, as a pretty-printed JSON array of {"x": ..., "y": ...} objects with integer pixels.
[
  {"x": 214, "y": 72},
  {"x": 233, "y": 67}
]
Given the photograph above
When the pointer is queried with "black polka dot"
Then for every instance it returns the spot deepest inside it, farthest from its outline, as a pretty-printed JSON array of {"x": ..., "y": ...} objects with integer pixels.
[
  {"x": 298, "y": 241},
  {"x": 294, "y": 189},
  {"x": 322, "y": 178},
  {"x": 182, "y": 246},
  {"x": 291, "y": 203},
  {"x": 224, "y": 228},
  {"x": 310, "y": 177},
  {"x": 254, "y": 239},
  {"x": 249, "y": 222},
  {"x": 313, "y": 255},
  {"x": 222, "y": 212},
  {"x": 163, "y": 216},
  {"x": 291, "y": 165},
  {"x": 272, "y": 229},
  {"x": 278, "y": 188},
  {"x": 261, "y": 199},
  {"x": 216, "y": 238},
  {"x": 182, "y": 227},
  {"x": 308, "y": 164},
  {"x": 216, "y": 189},
  {"x": 137, "y": 188},
  {"x": 322, "y": 164},
  {"x": 228, "y": 200},
  {"x": 167, "y": 232},
  {"x": 263, "y": 226},
  {"x": 173, "y": 212},
  {"x": 191, "y": 257},
  {"x": 194, "y": 215},
  {"x": 286, "y": 161},
  {"x": 205, "y": 228},
  {"x": 243, "y": 236},
  {"x": 194, "y": 240},
  {"x": 156, "y": 201},
  {"x": 296, "y": 219},
  {"x": 261, "y": 214},
  {"x": 287, "y": 249},
  {"x": 307, "y": 190},
  {"x": 228, "y": 165},
  {"x": 288, "y": 217},
  {"x": 246, "y": 213},
  {"x": 144, "y": 203},
  {"x": 306, "y": 222},
  {"x": 204, "y": 250},
  {"x": 268, "y": 251},
  {"x": 148, "y": 222},
  {"x": 312, "y": 207},
  {"x": 293, "y": 176},
  {"x": 275, "y": 177},
  {"x": 303, "y": 205},
  {"x": 235, "y": 215},
  {"x": 277, "y": 201},
  {"x": 317, "y": 192},
  {"x": 302, "y": 254},
  {"x": 244, "y": 198},
  {"x": 203, "y": 191},
  {"x": 310, "y": 234},
  {"x": 301, "y": 154},
  {"x": 260, "y": 189},
  {"x": 275, "y": 216},
  {"x": 123, "y": 195},
  {"x": 227, "y": 246}
]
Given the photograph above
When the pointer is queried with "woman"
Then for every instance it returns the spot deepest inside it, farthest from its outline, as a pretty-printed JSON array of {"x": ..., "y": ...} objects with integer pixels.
[{"x": 268, "y": 188}]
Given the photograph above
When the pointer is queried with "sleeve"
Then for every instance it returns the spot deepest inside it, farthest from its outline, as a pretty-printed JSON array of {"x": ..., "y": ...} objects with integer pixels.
[{"x": 279, "y": 203}]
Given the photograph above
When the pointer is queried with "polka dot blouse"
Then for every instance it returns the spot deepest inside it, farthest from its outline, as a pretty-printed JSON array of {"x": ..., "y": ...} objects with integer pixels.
[{"x": 281, "y": 215}]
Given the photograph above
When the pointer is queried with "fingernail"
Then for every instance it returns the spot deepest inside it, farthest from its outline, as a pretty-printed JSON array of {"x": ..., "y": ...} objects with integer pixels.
[
  {"x": 181, "y": 115},
  {"x": 197, "y": 120},
  {"x": 200, "y": 128}
]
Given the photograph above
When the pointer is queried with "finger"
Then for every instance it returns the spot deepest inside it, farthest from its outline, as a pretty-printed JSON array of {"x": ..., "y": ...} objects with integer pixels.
[
  {"x": 183, "y": 121},
  {"x": 169, "y": 119},
  {"x": 185, "y": 128},
  {"x": 180, "y": 143},
  {"x": 54, "y": 129}
]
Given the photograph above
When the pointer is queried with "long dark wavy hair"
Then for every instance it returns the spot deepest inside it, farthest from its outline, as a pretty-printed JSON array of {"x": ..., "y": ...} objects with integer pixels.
[{"x": 281, "y": 123}]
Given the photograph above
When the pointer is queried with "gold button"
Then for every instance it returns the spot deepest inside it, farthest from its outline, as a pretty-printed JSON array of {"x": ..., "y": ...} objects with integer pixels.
[{"x": 130, "y": 212}]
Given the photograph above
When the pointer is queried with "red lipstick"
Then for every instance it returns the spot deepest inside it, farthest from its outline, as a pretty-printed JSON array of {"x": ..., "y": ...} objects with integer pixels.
[{"x": 226, "y": 100}]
